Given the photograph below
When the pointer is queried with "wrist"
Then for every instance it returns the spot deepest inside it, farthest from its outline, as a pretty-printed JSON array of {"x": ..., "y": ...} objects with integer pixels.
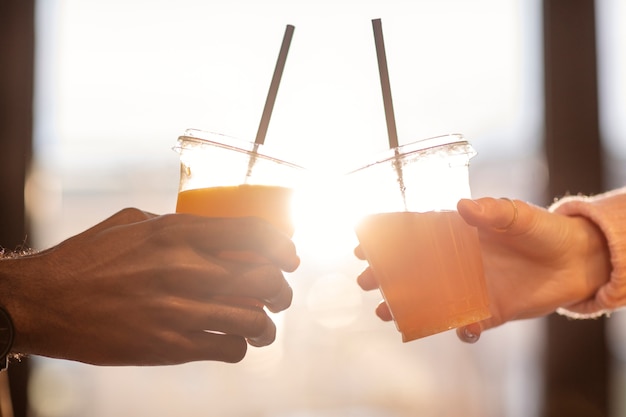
[
  {"x": 7, "y": 335},
  {"x": 605, "y": 212},
  {"x": 7, "y": 328},
  {"x": 12, "y": 303},
  {"x": 596, "y": 257}
]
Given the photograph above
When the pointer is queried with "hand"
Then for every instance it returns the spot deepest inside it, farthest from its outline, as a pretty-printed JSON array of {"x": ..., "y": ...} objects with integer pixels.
[
  {"x": 542, "y": 262},
  {"x": 137, "y": 289}
]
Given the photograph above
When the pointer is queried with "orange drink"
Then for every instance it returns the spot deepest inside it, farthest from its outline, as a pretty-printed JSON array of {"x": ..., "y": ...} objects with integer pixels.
[
  {"x": 271, "y": 203},
  {"x": 429, "y": 269}
]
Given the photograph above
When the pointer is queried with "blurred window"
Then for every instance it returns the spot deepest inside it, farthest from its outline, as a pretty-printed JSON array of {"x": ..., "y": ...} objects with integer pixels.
[{"x": 119, "y": 80}]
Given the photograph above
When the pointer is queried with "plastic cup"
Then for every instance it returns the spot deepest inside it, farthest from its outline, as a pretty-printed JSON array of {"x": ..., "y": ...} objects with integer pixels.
[
  {"x": 426, "y": 259},
  {"x": 222, "y": 176}
]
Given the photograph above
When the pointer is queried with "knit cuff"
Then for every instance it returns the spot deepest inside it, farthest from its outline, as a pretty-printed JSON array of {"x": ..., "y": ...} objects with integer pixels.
[{"x": 608, "y": 212}]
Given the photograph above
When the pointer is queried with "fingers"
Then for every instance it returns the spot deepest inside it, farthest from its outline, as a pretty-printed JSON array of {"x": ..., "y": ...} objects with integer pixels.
[
  {"x": 234, "y": 234},
  {"x": 259, "y": 236},
  {"x": 218, "y": 347},
  {"x": 173, "y": 331},
  {"x": 197, "y": 258},
  {"x": 252, "y": 324},
  {"x": 367, "y": 280},
  {"x": 281, "y": 300},
  {"x": 266, "y": 283},
  {"x": 228, "y": 257},
  {"x": 202, "y": 279},
  {"x": 358, "y": 252},
  {"x": 176, "y": 348},
  {"x": 383, "y": 312},
  {"x": 500, "y": 215}
]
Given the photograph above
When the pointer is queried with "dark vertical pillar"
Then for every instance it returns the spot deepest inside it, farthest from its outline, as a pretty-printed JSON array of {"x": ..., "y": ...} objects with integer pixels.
[
  {"x": 576, "y": 374},
  {"x": 16, "y": 120}
]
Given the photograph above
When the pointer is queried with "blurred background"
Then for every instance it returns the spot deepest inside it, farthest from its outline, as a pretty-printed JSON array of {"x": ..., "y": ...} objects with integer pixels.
[{"x": 95, "y": 94}]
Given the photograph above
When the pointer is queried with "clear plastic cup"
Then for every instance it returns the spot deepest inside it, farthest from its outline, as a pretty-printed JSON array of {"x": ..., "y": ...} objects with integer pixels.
[
  {"x": 426, "y": 259},
  {"x": 221, "y": 176}
]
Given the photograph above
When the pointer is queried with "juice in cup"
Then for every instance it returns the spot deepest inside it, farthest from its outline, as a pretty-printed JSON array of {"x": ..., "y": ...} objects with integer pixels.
[
  {"x": 221, "y": 176},
  {"x": 426, "y": 259},
  {"x": 269, "y": 202},
  {"x": 429, "y": 269}
]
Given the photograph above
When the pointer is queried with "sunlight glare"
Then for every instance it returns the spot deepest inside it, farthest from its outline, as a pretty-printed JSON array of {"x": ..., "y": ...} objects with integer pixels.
[{"x": 324, "y": 216}]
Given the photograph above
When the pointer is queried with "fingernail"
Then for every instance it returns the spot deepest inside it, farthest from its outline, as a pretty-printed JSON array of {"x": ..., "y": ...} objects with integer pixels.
[
  {"x": 473, "y": 205},
  {"x": 467, "y": 335},
  {"x": 478, "y": 205}
]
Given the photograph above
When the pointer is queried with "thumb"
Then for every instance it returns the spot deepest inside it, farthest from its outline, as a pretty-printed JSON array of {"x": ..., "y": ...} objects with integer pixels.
[{"x": 499, "y": 214}]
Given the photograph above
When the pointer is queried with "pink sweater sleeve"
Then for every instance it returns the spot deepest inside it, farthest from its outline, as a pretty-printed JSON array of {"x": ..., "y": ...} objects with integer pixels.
[{"x": 608, "y": 212}]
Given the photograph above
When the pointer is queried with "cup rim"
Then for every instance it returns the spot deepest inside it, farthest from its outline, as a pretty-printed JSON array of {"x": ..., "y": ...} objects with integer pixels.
[
  {"x": 205, "y": 137},
  {"x": 420, "y": 145}
]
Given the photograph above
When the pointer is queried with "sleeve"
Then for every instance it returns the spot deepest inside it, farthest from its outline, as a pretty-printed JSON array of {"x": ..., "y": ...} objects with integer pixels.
[{"x": 608, "y": 212}]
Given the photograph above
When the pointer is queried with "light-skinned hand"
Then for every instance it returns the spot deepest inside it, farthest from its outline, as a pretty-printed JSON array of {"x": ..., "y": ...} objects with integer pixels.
[{"x": 542, "y": 262}]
